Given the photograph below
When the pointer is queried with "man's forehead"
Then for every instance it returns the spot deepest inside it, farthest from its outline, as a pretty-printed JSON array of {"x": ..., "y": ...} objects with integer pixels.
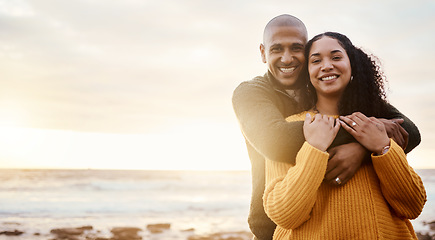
[{"x": 281, "y": 34}]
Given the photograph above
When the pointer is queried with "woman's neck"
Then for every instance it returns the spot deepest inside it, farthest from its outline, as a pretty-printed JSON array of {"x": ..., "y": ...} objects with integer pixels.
[{"x": 327, "y": 106}]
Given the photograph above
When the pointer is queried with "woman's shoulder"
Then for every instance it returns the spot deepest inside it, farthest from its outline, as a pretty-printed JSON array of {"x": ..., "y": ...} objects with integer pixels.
[
  {"x": 298, "y": 116},
  {"x": 301, "y": 116}
]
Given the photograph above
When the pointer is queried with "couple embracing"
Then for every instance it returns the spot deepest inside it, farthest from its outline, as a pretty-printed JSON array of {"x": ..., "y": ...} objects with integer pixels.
[{"x": 328, "y": 152}]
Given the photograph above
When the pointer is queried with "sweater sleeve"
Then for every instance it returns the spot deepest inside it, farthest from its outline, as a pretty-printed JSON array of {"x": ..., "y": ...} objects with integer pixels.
[
  {"x": 414, "y": 134},
  {"x": 291, "y": 190},
  {"x": 400, "y": 184},
  {"x": 263, "y": 124}
]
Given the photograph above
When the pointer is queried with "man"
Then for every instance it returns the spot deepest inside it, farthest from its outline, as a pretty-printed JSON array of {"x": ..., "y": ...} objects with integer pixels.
[{"x": 262, "y": 104}]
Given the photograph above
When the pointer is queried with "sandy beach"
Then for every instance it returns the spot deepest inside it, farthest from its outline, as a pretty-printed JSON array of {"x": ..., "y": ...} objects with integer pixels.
[{"x": 157, "y": 231}]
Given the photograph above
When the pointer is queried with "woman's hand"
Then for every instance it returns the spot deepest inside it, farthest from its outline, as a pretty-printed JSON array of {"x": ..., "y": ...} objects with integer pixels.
[
  {"x": 370, "y": 132},
  {"x": 321, "y": 131}
]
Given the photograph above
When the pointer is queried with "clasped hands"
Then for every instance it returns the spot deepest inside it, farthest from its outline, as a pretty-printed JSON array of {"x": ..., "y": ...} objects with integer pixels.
[{"x": 371, "y": 133}]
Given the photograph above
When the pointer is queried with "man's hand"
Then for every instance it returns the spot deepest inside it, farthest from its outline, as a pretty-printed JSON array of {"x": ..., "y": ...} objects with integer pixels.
[
  {"x": 396, "y": 131},
  {"x": 344, "y": 161}
]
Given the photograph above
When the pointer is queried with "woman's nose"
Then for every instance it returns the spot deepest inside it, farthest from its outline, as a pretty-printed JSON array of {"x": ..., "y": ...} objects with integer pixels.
[{"x": 327, "y": 65}]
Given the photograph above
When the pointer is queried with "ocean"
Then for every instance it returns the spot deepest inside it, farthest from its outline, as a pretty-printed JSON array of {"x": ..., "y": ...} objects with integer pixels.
[
  {"x": 36, "y": 201},
  {"x": 193, "y": 202}
]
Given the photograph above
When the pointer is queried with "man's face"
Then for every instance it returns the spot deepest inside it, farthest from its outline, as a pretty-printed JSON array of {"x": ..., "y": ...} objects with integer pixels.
[{"x": 283, "y": 51}]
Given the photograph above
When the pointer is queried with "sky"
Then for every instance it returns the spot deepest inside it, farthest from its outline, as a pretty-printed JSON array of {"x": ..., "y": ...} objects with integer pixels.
[{"x": 139, "y": 84}]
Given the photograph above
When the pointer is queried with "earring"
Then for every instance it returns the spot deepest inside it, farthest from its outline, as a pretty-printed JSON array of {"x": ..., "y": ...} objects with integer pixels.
[{"x": 351, "y": 78}]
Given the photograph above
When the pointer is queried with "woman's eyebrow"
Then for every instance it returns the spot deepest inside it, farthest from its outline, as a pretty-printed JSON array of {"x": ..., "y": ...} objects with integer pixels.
[
  {"x": 336, "y": 51},
  {"x": 315, "y": 54}
]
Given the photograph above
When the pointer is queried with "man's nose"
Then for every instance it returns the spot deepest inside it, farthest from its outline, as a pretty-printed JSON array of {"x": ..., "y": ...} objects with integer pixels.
[{"x": 287, "y": 57}]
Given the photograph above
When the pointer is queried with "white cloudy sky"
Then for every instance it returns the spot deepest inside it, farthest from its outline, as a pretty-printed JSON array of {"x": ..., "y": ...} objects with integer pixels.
[{"x": 139, "y": 84}]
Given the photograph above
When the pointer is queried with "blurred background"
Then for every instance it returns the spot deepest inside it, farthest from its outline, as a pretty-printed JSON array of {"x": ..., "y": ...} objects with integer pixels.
[{"x": 140, "y": 84}]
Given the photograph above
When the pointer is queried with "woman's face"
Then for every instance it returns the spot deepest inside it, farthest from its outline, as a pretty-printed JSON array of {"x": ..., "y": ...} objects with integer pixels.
[{"x": 329, "y": 67}]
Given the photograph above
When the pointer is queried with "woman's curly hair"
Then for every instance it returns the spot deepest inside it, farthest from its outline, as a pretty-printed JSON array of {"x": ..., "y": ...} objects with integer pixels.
[{"x": 365, "y": 92}]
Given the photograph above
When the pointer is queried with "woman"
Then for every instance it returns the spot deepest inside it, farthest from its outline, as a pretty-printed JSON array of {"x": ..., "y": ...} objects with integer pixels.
[{"x": 383, "y": 195}]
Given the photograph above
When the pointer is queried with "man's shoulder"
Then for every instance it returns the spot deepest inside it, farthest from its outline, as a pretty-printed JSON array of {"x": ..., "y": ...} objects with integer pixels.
[
  {"x": 261, "y": 83},
  {"x": 258, "y": 80}
]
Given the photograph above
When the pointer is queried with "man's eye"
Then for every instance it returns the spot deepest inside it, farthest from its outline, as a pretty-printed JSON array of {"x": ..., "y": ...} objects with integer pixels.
[
  {"x": 298, "y": 49},
  {"x": 275, "y": 49}
]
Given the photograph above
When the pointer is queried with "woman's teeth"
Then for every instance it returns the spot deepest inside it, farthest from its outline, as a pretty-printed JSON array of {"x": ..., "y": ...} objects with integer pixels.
[{"x": 328, "y": 78}]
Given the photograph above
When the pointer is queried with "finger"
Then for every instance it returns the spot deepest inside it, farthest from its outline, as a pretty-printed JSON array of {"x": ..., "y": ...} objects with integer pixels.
[
  {"x": 318, "y": 117},
  {"x": 333, "y": 120},
  {"x": 340, "y": 181},
  {"x": 346, "y": 120},
  {"x": 360, "y": 115},
  {"x": 325, "y": 118},
  {"x": 307, "y": 119},
  {"x": 354, "y": 121},
  {"x": 332, "y": 151},
  {"x": 405, "y": 136},
  {"x": 340, "y": 172},
  {"x": 394, "y": 132},
  {"x": 398, "y": 135},
  {"x": 398, "y": 120},
  {"x": 331, "y": 166},
  {"x": 359, "y": 118},
  {"x": 399, "y": 139},
  {"x": 346, "y": 123},
  {"x": 332, "y": 173},
  {"x": 337, "y": 125}
]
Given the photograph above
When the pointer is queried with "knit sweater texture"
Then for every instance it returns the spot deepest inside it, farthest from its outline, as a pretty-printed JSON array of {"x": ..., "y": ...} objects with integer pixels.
[
  {"x": 376, "y": 203},
  {"x": 261, "y": 106}
]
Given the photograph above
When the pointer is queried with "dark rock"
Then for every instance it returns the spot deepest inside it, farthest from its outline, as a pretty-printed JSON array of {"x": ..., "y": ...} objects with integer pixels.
[
  {"x": 188, "y": 230},
  {"x": 65, "y": 237},
  {"x": 11, "y": 233},
  {"x": 69, "y": 233},
  {"x": 196, "y": 237},
  {"x": 431, "y": 225},
  {"x": 426, "y": 236},
  {"x": 158, "y": 228},
  {"x": 126, "y": 233}
]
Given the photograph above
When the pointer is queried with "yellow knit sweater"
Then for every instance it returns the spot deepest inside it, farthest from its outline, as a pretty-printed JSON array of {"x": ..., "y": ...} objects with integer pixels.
[{"x": 376, "y": 203}]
